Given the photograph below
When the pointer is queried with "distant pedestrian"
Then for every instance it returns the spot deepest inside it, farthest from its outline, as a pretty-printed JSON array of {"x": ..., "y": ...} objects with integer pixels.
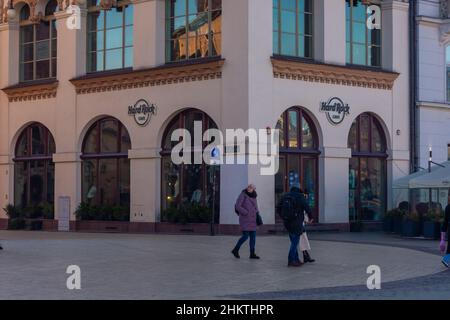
[
  {"x": 445, "y": 229},
  {"x": 292, "y": 208},
  {"x": 305, "y": 246},
  {"x": 247, "y": 208}
]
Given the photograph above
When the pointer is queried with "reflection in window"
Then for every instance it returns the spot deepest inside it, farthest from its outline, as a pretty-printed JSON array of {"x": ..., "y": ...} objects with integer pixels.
[
  {"x": 367, "y": 171},
  {"x": 34, "y": 171},
  {"x": 38, "y": 45},
  {"x": 193, "y": 29},
  {"x": 188, "y": 183},
  {"x": 293, "y": 28},
  {"x": 110, "y": 36},
  {"x": 447, "y": 59},
  {"x": 106, "y": 167},
  {"x": 363, "y": 44}
]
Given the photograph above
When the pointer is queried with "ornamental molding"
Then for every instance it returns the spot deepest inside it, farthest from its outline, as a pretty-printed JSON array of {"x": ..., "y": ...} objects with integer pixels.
[
  {"x": 333, "y": 74},
  {"x": 164, "y": 75},
  {"x": 30, "y": 92}
]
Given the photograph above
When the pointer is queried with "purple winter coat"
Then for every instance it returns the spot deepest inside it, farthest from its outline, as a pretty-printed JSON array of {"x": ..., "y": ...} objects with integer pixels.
[{"x": 247, "y": 208}]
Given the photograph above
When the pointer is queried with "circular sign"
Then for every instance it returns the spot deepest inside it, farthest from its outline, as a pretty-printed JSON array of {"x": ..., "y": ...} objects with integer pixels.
[
  {"x": 336, "y": 110},
  {"x": 142, "y": 112}
]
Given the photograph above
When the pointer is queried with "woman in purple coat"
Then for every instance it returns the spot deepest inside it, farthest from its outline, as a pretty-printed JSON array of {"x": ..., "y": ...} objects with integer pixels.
[{"x": 247, "y": 209}]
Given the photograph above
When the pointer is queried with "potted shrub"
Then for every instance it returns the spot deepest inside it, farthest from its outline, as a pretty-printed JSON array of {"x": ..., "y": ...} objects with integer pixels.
[
  {"x": 397, "y": 220},
  {"x": 411, "y": 226},
  {"x": 432, "y": 224},
  {"x": 388, "y": 221},
  {"x": 16, "y": 219}
]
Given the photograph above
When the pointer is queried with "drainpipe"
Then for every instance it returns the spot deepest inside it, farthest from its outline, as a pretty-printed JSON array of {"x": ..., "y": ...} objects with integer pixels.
[{"x": 414, "y": 112}]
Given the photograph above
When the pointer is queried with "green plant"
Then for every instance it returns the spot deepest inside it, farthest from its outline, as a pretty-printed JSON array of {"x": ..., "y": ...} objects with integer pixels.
[
  {"x": 170, "y": 214},
  {"x": 83, "y": 211},
  {"x": 395, "y": 213},
  {"x": 48, "y": 211},
  {"x": 434, "y": 215},
  {"x": 12, "y": 211},
  {"x": 412, "y": 216},
  {"x": 86, "y": 212}
]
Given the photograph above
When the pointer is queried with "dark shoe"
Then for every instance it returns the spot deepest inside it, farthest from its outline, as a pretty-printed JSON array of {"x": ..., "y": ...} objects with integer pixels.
[
  {"x": 1, "y": 248},
  {"x": 235, "y": 253},
  {"x": 295, "y": 264},
  {"x": 254, "y": 256},
  {"x": 307, "y": 257}
]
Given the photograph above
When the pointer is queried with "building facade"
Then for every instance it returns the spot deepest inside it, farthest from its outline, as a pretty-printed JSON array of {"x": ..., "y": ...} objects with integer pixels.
[{"x": 73, "y": 131}]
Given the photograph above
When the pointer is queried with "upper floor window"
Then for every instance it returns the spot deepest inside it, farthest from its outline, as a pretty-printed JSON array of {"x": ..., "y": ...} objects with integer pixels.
[
  {"x": 110, "y": 36},
  {"x": 363, "y": 44},
  {"x": 38, "y": 44},
  {"x": 193, "y": 29},
  {"x": 447, "y": 62},
  {"x": 293, "y": 28}
]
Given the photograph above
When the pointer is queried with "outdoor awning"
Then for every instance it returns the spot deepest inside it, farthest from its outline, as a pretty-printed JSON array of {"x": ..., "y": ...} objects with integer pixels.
[{"x": 439, "y": 177}]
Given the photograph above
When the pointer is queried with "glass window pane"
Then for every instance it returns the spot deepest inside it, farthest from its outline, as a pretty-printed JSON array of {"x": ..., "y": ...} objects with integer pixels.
[
  {"x": 27, "y": 53},
  {"x": 43, "y": 31},
  {"x": 288, "y": 23},
  {"x": 26, "y": 33},
  {"x": 309, "y": 181},
  {"x": 128, "y": 57},
  {"x": 37, "y": 140},
  {"x": 353, "y": 188},
  {"x": 170, "y": 183},
  {"x": 109, "y": 136},
  {"x": 125, "y": 140},
  {"x": 124, "y": 182},
  {"x": 353, "y": 137},
  {"x": 293, "y": 129},
  {"x": 114, "y": 18},
  {"x": 192, "y": 184},
  {"x": 50, "y": 182},
  {"x": 20, "y": 184},
  {"x": 378, "y": 144},
  {"x": 288, "y": 45},
  {"x": 307, "y": 135},
  {"x": 95, "y": 62},
  {"x": 43, "y": 69},
  {"x": 27, "y": 71},
  {"x": 96, "y": 20},
  {"x": 293, "y": 171},
  {"x": 359, "y": 54},
  {"x": 42, "y": 50},
  {"x": 128, "y": 36},
  {"x": 95, "y": 41},
  {"x": 129, "y": 15},
  {"x": 90, "y": 181},
  {"x": 364, "y": 133},
  {"x": 359, "y": 32},
  {"x": 37, "y": 180},
  {"x": 107, "y": 182},
  {"x": 280, "y": 127},
  {"x": 288, "y": 4},
  {"x": 91, "y": 142},
  {"x": 114, "y": 38},
  {"x": 22, "y": 145},
  {"x": 113, "y": 59}
]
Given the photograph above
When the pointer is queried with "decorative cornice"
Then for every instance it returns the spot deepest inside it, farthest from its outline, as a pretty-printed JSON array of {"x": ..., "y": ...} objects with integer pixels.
[
  {"x": 35, "y": 91},
  {"x": 167, "y": 74},
  {"x": 333, "y": 74}
]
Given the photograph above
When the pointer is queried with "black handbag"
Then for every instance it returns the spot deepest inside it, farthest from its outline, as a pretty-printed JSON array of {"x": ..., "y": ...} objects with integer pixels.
[{"x": 259, "y": 220}]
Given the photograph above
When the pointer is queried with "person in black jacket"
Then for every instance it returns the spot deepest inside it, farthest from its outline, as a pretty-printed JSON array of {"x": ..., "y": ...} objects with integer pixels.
[
  {"x": 294, "y": 223},
  {"x": 445, "y": 229}
]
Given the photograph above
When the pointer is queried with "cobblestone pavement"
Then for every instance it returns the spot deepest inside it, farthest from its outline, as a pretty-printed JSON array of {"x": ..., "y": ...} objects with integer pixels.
[{"x": 125, "y": 266}]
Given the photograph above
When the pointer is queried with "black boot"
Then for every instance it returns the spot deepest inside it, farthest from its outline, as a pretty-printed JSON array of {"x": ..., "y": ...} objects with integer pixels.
[
  {"x": 235, "y": 253},
  {"x": 307, "y": 257},
  {"x": 253, "y": 255}
]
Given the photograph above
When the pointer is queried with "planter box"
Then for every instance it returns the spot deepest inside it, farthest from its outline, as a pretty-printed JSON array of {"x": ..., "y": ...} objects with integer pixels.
[
  {"x": 355, "y": 227},
  {"x": 102, "y": 226},
  {"x": 388, "y": 225},
  {"x": 410, "y": 228},
  {"x": 432, "y": 230},
  {"x": 397, "y": 225}
]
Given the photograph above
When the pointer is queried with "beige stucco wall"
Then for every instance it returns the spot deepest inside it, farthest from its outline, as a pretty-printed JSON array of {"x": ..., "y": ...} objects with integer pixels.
[{"x": 247, "y": 96}]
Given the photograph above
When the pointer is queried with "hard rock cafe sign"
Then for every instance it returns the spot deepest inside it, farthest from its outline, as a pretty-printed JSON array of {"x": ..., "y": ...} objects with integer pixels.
[
  {"x": 336, "y": 110},
  {"x": 142, "y": 111}
]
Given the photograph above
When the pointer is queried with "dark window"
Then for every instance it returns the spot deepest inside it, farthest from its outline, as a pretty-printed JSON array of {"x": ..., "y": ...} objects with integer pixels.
[
  {"x": 106, "y": 167},
  {"x": 293, "y": 28},
  {"x": 110, "y": 37},
  {"x": 363, "y": 44},
  {"x": 193, "y": 29},
  {"x": 367, "y": 175},
  {"x": 188, "y": 184},
  {"x": 34, "y": 171},
  {"x": 38, "y": 44},
  {"x": 298, "y": 156}
]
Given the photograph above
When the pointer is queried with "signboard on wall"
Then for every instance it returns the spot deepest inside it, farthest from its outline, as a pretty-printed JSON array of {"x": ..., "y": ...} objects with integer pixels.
[
  {"x": 142, "y": 111},
  {"x": 336, "y": 110},
  {"x": 64, "y": 214}
]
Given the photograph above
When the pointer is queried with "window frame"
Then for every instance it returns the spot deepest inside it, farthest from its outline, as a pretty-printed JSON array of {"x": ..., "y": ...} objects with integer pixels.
[
  {"x": 350, "y": 59},
  {"x": 279, "y": 31},
  {"x": 89, "y": 53},
  {"x": 52, "y": 37}
]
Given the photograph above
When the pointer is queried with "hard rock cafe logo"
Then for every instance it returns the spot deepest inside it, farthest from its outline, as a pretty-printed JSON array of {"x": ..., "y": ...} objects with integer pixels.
[
  {"x": 142, "y": 112},
  {"x": 336, "y": 110}
]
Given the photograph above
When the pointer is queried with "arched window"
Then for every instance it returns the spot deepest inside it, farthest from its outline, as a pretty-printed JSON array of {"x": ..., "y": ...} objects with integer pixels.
[
  {"x": 299, "y": 151},
  {"x": 193, "y": 29},
  {"x": 38, "y": 44},
  {"x": 110, "y": 36},
  {"x": 188, "y": 183},
  {"x": 367, "y": 175},
  {"x": 293, "y": 28},
  {"x": 106, "y": 167},
  {"x": 34, "y": 171}
]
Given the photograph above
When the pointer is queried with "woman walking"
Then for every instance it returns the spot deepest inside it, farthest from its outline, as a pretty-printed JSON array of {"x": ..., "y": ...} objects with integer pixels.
[
  {"x": 247, "y": 209},
  {"x": 304, "y": 241}
]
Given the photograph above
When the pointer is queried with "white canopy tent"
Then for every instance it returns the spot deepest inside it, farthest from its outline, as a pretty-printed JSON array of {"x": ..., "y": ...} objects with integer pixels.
[{"x": 439, "y": 177}]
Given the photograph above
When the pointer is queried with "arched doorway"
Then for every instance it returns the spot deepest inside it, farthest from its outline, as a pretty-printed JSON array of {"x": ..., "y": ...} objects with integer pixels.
[
  {"x": 187, "y": 186},
  {"x": 34, "y": 170},
  {"x": 105, "y": 177},
  {"x": 299, "y": 153},
  {"x": 367, "y": 171}
]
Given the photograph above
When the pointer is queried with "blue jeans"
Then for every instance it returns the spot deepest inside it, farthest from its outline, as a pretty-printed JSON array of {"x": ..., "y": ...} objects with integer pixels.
[
  {"x": 245, "y": 236},
  {"x": 293, "y": 252}
]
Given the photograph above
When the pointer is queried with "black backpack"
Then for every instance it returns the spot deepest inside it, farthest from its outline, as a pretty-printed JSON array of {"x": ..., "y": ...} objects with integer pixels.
[{"x": 288, "y": 208}]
